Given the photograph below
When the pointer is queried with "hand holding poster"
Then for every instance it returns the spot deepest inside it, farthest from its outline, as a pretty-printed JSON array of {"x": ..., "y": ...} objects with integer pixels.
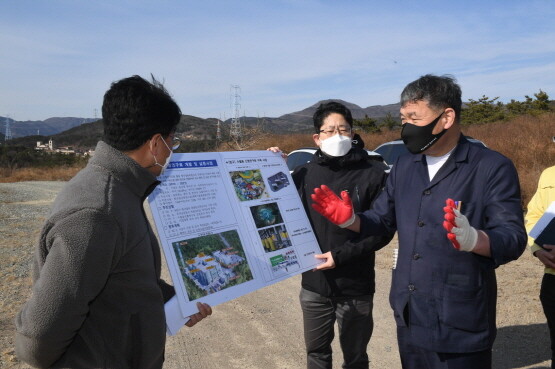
[{"x": 230, "y": 223}]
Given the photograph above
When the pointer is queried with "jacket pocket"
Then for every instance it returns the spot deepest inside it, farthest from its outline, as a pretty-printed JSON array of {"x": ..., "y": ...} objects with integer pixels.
[
  {"x": 464, "y": 308},
  {"x": 422, "y": 311},
  {"x": 398, "y": 301}
]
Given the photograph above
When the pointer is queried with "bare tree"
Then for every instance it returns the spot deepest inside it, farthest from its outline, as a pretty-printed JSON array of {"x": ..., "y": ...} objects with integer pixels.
[{"x": 250, "y": 136}]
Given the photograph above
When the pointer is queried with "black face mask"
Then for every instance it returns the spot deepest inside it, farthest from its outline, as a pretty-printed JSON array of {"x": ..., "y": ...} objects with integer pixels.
[{"x": 420, "y": 138}]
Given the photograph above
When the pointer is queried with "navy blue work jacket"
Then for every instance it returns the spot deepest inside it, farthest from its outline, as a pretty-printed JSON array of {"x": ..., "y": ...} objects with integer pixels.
[{"x": 447, "y": 297}]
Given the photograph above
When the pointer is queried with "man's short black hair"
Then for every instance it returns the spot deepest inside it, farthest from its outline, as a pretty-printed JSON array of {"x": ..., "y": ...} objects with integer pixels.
[
  {"x": 439, "y": 91},
  {"x": 134, "y": 110},
  {"x": 325, "y": 109}
]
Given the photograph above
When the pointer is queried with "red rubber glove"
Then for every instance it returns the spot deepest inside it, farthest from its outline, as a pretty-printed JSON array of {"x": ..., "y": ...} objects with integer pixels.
[
  {"x": 337, "y": 210},
  {"x": 463, "y": 236}
]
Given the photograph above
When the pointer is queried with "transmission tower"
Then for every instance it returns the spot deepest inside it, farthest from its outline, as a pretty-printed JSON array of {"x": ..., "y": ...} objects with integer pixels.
[
  {"x": 8, "y": 135},
  {"x": 235, "y": 130}
]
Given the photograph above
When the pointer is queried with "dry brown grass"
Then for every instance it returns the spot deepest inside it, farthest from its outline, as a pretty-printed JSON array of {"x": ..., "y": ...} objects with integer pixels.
[
  {"x": 38, "y": 174},
  {"x": 527, "y": 141},
  {"x": 287, "y": 143}
]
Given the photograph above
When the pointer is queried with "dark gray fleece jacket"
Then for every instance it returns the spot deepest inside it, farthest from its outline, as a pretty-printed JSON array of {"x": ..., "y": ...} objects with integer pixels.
[{"x": 97, "y": 299}]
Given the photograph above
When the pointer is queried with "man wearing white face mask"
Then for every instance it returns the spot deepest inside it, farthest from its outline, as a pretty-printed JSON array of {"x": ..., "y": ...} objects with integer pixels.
[
  {"x": 344, "y": 294},
  {"x": 98, "y": 300}
]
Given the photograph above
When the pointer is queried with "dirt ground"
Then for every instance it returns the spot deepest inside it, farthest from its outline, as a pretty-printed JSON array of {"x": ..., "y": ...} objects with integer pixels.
[{"x": 264, "y": 329}]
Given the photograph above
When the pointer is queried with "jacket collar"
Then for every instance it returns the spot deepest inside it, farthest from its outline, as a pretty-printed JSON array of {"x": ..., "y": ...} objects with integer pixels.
[
  {"x": 459, "y": 155},
  {"x": 461, "y": 151},
  {"x": 355, "y": 155},
  {"x": 138, "y": 179}
]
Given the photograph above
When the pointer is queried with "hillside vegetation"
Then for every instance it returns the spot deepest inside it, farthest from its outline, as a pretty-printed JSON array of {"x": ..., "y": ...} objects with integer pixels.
[{"x": 526, "y": 140}]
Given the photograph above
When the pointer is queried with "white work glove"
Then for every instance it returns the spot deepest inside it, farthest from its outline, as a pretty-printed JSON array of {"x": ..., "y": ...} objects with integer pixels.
[{"x": 463, "y": 236}]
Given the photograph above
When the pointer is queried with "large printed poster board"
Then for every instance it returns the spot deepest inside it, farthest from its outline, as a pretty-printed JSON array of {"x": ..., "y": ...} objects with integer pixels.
[{"x": 230, "y": 223}]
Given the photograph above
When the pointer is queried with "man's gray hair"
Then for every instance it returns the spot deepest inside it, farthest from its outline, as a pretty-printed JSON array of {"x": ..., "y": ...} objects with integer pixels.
[{"x": 439, "y": 92}]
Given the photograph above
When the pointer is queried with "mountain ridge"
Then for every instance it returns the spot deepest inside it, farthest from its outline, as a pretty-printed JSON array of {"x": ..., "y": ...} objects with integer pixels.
[
  {"x": 83, "y": 133},
  {"x": 45, "y": 127}
]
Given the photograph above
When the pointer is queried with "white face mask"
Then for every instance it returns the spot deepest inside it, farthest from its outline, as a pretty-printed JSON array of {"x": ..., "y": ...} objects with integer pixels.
[
  {"x": 336, "y": 145},
  {"x": 167, "y": 159}
]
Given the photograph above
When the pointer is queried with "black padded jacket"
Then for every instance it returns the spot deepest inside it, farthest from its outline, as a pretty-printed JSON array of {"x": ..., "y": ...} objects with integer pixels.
[{"x": 364, "y": 178}]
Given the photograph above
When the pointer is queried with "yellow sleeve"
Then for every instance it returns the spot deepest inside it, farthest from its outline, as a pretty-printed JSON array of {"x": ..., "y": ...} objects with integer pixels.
[{"x": 545, "y": 193}]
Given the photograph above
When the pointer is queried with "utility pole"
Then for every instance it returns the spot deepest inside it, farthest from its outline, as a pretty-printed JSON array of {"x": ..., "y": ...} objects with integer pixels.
[{"x": 218, "y": 131}]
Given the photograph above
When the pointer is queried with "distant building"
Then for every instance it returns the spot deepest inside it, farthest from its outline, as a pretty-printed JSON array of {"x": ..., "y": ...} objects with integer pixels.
[
  {"x": 45, "y": 147},
  {"x": 197, "y": 136},
  {"x": 49, "y": 148},
  {"x": 65, "y": 150}
]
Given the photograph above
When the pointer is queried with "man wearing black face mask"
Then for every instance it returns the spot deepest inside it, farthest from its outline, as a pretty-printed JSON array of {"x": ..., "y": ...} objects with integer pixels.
[{"x": 456, "y": 208}]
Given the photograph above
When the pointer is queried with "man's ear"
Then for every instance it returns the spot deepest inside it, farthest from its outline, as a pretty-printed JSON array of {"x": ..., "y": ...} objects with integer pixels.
[
  {"x": 154, "y": 143},
  {"x": 450, "y": 116},
  {"x": 316, "y": 138},
  {"x": 144, "y": 153}
]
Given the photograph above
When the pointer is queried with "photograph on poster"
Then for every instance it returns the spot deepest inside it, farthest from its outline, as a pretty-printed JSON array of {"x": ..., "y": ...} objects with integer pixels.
[
  {"x": 274, "y": 238},
  {"x": 211, "y": 263},
  {"x": 278, "y": 181},
  {"x": 249, "y": 185},
  {"x": 284, "y": 263},
  {"x": 266, "y": 215}
]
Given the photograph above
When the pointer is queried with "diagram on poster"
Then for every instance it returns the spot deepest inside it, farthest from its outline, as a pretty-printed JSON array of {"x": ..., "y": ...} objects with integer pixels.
[{"x": 230, "y": 223}]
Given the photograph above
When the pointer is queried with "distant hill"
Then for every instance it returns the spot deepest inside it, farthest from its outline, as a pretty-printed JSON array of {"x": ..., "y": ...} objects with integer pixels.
[
  {"x": 46, "y": 127},
  {"x": 198, "y": 128},
  {"x": 302, "y": 120},
  {"x": 84, "y": 133},
  {"x": 85, "y": 136},
  {"x": 376, "y": 111}
]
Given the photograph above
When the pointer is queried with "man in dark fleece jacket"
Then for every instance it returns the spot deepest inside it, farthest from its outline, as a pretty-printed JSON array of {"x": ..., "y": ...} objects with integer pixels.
[
  {"x": 345, "y": 293},
  {"x": 97, "y": 299}
]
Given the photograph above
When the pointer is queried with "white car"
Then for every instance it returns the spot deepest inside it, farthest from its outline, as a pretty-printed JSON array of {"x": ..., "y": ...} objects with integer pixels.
[
  {"x": 304, "y": 154},
  {"x": 391, "y": 150}
]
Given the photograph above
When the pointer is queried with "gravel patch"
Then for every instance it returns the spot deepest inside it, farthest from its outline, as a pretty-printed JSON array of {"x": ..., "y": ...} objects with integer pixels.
[{"x": 264, "y": 329}]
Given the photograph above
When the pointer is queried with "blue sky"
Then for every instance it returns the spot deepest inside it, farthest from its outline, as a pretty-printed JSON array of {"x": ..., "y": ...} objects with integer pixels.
[{"x": 57, "y": 58}]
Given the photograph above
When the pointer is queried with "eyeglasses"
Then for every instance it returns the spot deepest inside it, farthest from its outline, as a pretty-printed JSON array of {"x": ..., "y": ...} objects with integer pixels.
[
  {"x": 176, "y": 142},
  {"x": 342, "y": 131}
]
